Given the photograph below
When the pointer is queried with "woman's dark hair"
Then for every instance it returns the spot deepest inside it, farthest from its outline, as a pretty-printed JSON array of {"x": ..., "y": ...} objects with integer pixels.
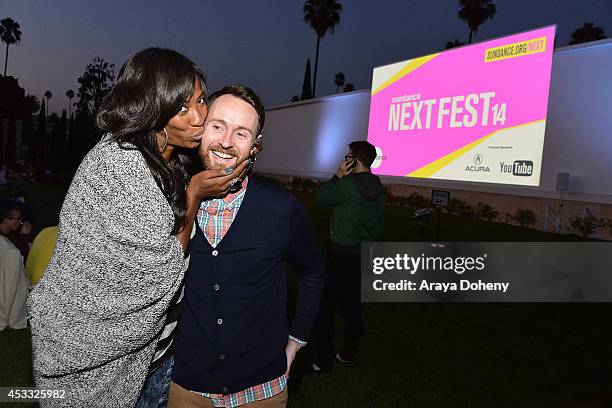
[{"x": 151, "y": 88}]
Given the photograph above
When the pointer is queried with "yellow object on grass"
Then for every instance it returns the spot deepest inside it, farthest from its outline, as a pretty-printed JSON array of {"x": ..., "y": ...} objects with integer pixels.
[{"x": 40, "y": 253}]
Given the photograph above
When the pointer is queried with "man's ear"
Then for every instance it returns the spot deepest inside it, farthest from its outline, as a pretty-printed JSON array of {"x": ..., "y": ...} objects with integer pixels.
[{"x": 258, "y": 146}]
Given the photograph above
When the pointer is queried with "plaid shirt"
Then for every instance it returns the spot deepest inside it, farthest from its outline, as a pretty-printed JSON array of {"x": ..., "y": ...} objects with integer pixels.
[
  {"x": 215, "y": 217},
  {"x": 251, "y": 394}
]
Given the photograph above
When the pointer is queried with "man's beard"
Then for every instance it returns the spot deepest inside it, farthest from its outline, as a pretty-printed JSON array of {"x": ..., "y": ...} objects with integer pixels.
[{"x": 207, "y": 161}]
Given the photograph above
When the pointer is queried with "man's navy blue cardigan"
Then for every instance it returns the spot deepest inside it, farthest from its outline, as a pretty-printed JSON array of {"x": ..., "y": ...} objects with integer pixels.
[{"x": 233, "y": 331}]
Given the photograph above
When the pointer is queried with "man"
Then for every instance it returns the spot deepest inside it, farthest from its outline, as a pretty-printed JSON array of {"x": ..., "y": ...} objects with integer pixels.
[
  {"x": 357, "y": 199},
  {"x": 21, "y": 237},
  {"x": 233, "y": 346},
  {"x": 14, "y": 283}
]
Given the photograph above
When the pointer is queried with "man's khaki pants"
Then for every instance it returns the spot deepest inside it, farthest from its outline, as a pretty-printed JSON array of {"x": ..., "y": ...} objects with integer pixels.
[{"x": 180, "y": 397}]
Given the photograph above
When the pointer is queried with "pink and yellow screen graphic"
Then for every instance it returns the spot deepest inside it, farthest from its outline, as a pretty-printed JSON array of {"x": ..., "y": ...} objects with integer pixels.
[{"x": 465, "y": 113}]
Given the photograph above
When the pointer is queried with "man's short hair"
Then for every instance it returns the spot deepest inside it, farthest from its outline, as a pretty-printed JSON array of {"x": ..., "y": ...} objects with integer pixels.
[
  {"x": 7, "y": 206},
  {"x": 364, "y": 151},
  {"x": 246, "y": 94}
]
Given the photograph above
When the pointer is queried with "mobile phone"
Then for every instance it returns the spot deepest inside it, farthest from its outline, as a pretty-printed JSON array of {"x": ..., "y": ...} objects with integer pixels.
[{"x": 352, "y": 165}]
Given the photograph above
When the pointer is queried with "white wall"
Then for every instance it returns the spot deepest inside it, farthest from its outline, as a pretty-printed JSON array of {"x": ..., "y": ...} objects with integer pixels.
[
  {"x": 579, "y": 130},
  {"x": 310, "y": 138}
]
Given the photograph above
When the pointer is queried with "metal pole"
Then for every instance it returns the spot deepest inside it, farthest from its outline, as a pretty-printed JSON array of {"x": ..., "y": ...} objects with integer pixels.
[
  {"x": 438, "y": 227},
  {"x": 561, "y": 211}
]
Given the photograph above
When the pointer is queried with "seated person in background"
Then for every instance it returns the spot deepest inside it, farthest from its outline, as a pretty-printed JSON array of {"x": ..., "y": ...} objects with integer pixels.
[
  {"x": 3, "y": 171},
  {"x": 21, "y": 237},
  {"x": 40, "y": 253},
  {"x": 13, "y": 282}
]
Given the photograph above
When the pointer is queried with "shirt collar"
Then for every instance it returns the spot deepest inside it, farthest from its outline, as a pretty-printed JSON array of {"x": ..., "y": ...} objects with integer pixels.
[
  {"x": 233, "y": 198},
  {"x": 229, "y": 201}
]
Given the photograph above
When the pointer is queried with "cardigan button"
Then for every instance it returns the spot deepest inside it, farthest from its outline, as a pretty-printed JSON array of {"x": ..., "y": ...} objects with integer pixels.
[
  {"x": 221, "y": 356},
  {"x": 224, "y": 390},
  {"x": 215, "y": 253},
  {"x": 217, "y": 286},
  {"x": 219, "y": 321}
]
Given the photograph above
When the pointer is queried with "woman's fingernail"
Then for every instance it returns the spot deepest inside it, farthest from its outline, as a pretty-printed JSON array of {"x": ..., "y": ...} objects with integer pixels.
[{"x": 228, "y": 170}]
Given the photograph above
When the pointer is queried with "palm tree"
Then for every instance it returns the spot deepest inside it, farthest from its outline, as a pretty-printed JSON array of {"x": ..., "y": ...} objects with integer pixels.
[
  {"x": 453, "y": 44},
  {"x": 588, "y": 32},
  {"x": 306, "y": 88},
  {"x": 475, "y": 13},
  {"x": 70, "y": 95},
  {"x": 322, "y": 16},
  {"x": 339, "y": 80},
  {"x": 10, "y": 34},
  {"x": 32, "y": 103},
  {"x": 48, "y": 95}
]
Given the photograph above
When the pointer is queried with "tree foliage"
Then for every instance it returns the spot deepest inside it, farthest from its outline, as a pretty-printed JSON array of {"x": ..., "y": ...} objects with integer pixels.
[
  {"x": 453, "y": 44},
  {"x": 70, "y": 95},
  {"x": 588, "y": 225},
  {"x": 10, "y": 33},
  {"x": 95, "y": 82},
  {"x": 475, "y": 13},
  {"x": 14, "y": 103},
  {"x": 485, "y": 212},
  {"x": 350, "y": 87},
  {"x": 524, "y": 217},
  {"x": 339, "y": 81},
  {"x": 306, "y": 85},
  {"x": 322, "y": 16},
  {"x": 588, "y": 32}
]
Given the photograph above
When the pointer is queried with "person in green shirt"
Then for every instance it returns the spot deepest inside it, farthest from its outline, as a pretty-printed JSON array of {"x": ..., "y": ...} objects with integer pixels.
[{"x": 357, "y": 199}]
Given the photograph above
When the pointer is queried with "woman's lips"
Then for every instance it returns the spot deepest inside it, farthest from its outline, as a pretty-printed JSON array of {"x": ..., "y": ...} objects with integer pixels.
[{"x": 198, "y": 136}]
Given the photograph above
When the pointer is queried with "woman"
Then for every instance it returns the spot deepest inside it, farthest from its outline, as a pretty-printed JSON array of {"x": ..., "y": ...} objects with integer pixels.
[{"x": 100, "y": 306}]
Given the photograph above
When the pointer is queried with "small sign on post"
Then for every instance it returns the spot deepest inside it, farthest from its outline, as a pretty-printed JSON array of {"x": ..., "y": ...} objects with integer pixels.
[{"x": 440, "y": 198}]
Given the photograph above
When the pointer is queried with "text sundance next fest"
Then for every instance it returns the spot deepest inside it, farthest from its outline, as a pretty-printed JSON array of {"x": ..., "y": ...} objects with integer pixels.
[
  {"x": 411, "y": 264},
  {"x": 409, "y": 112}
]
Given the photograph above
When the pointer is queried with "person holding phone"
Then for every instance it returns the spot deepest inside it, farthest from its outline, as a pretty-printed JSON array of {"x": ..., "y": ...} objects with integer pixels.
[
  {"x": 357, "y": 199},
  {"x": 97, "y": 313},
  {"x": 351, "y": 163}
]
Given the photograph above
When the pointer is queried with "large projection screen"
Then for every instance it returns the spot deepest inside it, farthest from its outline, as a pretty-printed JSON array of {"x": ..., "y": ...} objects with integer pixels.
[{"x": 475, "y": 113}]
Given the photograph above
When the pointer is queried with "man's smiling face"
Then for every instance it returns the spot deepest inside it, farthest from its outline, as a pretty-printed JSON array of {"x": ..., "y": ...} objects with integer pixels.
[{"x": 229, "y": 134}]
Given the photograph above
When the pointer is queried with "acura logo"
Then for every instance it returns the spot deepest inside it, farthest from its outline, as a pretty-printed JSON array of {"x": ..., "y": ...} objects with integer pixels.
[{"x": 478, "y": 159}]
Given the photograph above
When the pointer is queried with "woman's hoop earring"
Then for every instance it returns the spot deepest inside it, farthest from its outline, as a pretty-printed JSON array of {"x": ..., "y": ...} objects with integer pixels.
[{"x": 166, "y": 141}]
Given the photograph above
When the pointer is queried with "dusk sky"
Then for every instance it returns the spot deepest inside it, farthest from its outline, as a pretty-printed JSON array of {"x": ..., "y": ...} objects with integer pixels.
[{"x": 263, "y": 43}]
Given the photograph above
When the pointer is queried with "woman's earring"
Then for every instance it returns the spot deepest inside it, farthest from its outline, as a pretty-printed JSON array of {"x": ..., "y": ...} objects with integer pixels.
[{"x": 166, "y": 141}]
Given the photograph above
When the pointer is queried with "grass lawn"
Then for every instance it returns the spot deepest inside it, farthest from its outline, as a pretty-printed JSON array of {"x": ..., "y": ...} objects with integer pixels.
[{"x": 428, "y": 354}]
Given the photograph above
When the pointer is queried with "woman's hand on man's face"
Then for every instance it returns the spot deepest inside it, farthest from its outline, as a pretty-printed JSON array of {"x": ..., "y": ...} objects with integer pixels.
[{"x": 215, "y": 183}]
